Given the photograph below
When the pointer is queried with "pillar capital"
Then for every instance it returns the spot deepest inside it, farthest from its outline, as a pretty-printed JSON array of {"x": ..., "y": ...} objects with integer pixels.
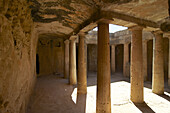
[
  {"x": 73, "y": 37},
  {"x": 113, "y": 45},
  {"x": 158, "y": 35},
  {"x": 66, "y": 41},
  {"x": 82, "y": 34},
  {"x": 126, "y": 43},
  {"x": 104, "y": 21},
  {"x": 136, "y": 28},
  {"x": 158, "y": 32},
  {"x": 166, "y": 35}
]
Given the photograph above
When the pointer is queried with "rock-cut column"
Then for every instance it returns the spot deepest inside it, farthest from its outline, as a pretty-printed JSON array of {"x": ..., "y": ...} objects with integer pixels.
[
  {"x": 158, "y": 64},
  {"x": 66, "y": 59},
  {"x": 145, "y": 72},
  {"x": 126, "y": 60},
  {"x": 113, "y": 58},
  {"x": 103, "y": 70},
  {"x": 82, "y": 71},
  {"x": 72, "y": 59},
  {"x": 136, "y": 95}
]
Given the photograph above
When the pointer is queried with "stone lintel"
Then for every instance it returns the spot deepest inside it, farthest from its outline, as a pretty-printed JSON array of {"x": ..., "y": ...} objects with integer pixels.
[
  {"x": 137, "y": 27},
  {"x": 128, "y": 18}
]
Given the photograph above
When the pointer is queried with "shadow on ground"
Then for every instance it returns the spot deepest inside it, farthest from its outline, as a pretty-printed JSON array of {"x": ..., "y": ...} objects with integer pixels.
[{"x": 53, "y": 94}]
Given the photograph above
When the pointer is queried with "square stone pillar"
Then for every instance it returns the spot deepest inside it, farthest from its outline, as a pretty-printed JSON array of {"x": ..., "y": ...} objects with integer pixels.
[
  {"x": 66, "y": 59},
  {"x": 113, "y": 58},
  {"x": 136, "y": 79},
  {"x": 145, "y": 72},
  {"x": 82, "y": 67},
  {"x": 126, "y": 60},
  {"x": 103, "y": 70},
  {"x": 158, "y": 64},
  {"x": 72, "y": 59}
]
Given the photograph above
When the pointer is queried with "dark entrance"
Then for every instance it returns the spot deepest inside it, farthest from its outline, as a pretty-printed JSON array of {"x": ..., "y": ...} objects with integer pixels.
[{"x": 37, "y": 64}]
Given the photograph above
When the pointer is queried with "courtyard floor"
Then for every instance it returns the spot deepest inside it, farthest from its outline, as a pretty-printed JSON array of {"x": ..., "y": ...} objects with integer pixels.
[{"x": 53, "y": 94}]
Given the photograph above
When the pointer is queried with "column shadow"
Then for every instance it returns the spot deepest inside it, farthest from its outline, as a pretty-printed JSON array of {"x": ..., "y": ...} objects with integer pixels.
[
  {"x": 144, "y": 108},
  {"x": 165, "y": 97},
  {"x": 81, "y": 103}
]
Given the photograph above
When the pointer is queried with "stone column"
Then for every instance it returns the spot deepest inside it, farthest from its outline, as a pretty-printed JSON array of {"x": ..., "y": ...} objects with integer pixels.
[
  {"x": 169, "y": 65},
  {"x": 66, "y": 59},
  {"x": 82, "y": 70},
  {"x": 158, "y": 64},
  {"x": 72, "y": 59},
  {"x": 145, "y": 72},
  {"x": 103, "y": 70},
  {"x": 113, "y": 58},
  {"x": 126, "y": 60},
  {"x": 136, "y": 95}
]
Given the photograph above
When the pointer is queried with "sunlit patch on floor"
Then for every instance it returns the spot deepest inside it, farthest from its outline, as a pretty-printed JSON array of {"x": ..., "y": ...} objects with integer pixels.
[{"x": 54, "y": 94}]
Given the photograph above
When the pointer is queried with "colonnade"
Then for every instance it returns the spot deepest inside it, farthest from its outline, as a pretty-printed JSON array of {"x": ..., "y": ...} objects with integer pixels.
[{"x": 138, "y": 65}]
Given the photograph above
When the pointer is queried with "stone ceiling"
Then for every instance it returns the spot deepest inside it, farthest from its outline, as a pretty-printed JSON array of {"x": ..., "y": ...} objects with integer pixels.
[{"x": 63, "y": 18}]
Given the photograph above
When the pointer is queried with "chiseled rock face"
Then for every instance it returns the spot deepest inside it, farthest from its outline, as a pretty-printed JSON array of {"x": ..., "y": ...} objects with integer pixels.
[
  {"x": 61, "y": 17},
  {"x": 17, "y": 55},
  {"x": 50, "y": 52}
]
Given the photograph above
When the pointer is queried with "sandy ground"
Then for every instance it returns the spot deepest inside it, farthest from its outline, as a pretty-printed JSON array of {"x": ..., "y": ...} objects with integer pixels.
[{"x": 53, "y": 94}]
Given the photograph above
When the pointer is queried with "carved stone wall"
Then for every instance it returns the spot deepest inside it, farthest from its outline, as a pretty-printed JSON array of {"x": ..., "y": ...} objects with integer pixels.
[
  {"x": 51, "y": 56},
  {"x": 17, "y": 55}
]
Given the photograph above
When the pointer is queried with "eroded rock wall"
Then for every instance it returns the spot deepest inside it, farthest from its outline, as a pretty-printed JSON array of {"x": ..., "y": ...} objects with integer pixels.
[
  {"x": 50, "y": 52},
  {"x": 17, "y": 55}
]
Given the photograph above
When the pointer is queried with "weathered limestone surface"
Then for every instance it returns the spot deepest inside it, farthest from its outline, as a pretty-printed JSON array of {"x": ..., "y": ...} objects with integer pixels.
[
  {"x": 136, "y": 95},
  {"x": 71, "y": 16},
  {"x": 17, "y": 55},
  {"x": 72, "y": 61},
  {"x": 103, "y": 104},
  {"x": 158, "y": 65},
  {"x": 82, "y": 66},
  {"x": 145, "y": 74},
  {"x": 126, "y": 60},
  {"x": 66, "y": 59},
  {"x": 113, "y": 62},
  {"x": 51, "y": 55}
]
